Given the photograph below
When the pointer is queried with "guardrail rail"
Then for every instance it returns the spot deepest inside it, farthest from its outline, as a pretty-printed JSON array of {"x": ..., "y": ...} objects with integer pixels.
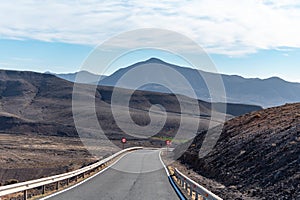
[
  {"x": 188, "y": 184},
  {"x": 25, "y": 186}
]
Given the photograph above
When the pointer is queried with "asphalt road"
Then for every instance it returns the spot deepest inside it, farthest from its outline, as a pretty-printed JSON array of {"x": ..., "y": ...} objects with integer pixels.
[{"x": 136, "y": 176}]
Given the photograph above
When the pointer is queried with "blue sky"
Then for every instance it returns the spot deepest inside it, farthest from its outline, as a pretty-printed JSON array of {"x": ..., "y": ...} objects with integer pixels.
[
  {"x": 40, "y": 56},
  {"x": 250, "y": 38}
]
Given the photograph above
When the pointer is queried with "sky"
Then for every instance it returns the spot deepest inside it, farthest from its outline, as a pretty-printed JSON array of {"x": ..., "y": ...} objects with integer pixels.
[{"x": 251, "y": 38}]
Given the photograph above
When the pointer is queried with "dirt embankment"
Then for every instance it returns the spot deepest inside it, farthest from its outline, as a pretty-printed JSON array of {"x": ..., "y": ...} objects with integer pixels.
[{"x": 258, "y": 154}]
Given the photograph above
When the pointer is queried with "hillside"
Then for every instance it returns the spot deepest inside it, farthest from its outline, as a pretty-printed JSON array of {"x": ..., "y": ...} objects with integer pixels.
[
  {"x": 42, "y": 104},
  {"x": 264, "y": 92},
  {"x": 257, "y": 153}
]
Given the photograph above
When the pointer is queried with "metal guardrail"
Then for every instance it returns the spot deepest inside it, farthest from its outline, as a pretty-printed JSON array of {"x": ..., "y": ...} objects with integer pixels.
[
  {"x": 25, "y": 186},
  {"x": 187, "y": 183}
]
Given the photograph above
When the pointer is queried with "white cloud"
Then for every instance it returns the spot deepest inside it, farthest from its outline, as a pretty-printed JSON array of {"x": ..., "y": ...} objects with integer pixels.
[
  {"x": 22, "y": 59},
  {"x": 232, "y": 27}
]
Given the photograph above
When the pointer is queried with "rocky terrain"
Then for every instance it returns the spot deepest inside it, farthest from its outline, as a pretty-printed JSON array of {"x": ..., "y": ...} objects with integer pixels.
[
  {"x": 256, "y": 156},
  {"x": 26, "y": 157}
]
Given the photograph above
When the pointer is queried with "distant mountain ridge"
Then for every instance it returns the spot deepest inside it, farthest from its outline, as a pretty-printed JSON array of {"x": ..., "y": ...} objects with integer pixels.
[
  {"x": 269, "y": 92},
  {"x": 264, "y": 92},
  {"x": 87, "y": 77}
]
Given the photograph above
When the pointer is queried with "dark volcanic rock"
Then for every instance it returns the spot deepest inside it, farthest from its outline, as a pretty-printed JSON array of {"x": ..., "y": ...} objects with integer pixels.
[{"x": 258, "y": 153}]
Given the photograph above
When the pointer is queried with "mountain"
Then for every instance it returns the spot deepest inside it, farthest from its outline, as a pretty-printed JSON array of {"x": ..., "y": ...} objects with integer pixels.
[
  {"x": 264, "y": 92},
  {"x": 42, "y": 104},
  {"x": 35, "y": 103},
  {"x": 257, "y": 154},
  {"x": 85, "y": 77}
]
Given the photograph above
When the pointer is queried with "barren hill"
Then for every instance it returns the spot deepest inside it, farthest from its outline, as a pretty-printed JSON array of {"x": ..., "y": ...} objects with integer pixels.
[
  {"x": 257, "y": 153},
  {"x": 42, "y": 104}
]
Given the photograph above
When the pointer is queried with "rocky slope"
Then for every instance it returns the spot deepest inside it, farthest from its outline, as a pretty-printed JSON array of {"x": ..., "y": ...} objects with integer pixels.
[{"x": 258, "y": 154}]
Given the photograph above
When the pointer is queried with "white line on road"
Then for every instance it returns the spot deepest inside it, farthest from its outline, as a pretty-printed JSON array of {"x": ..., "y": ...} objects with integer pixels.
[{"x": 163, "y": 164}]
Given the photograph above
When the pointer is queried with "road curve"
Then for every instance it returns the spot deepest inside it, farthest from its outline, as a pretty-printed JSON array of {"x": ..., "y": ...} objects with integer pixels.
[{"x": 138, "y": 175}]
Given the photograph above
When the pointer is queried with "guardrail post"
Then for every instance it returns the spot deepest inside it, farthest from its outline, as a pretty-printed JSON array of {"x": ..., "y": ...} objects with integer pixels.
[
  {"x": 57, "y": 185},
  {"x": 43, "y": 189},
  {"x": 191, "y": 190},
  {"x": 196, "y": 195},
  {"x": 25, "y": 195},
  {"x": 68, "y": 181}
]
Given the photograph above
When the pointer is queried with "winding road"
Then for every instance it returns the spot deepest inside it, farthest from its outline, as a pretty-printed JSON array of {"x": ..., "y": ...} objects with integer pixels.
[{"x": 135, "y": 176}]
